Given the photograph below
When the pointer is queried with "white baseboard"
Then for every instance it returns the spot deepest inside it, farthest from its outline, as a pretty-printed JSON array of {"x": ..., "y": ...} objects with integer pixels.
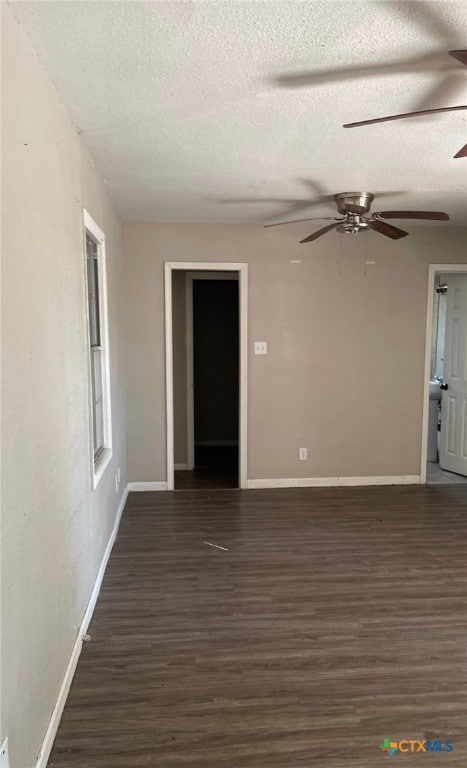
[
  {"x": 50, "y": 734},
  {"x": 180, "y": 466},
  {"x": 160, "y": 485},
  {"x": 326, "y": 482}
]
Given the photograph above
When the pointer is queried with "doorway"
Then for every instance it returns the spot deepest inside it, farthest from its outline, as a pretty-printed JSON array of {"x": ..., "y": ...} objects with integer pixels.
[
  {"x": 206, "y": 359},
  {"x": 209, "y": 438},
  {"x": 444, "y": 454}
]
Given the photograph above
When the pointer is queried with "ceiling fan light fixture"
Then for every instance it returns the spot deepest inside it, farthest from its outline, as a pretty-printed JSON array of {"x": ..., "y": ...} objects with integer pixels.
[{"x": 352, "y": 225}]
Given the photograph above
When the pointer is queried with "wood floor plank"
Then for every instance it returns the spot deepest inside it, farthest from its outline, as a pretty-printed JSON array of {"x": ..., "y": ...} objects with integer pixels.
[{"x": 335, "y": 618}]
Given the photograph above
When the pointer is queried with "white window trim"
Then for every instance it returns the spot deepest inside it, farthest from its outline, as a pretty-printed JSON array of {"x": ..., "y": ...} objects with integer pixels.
[{"x": 99, "y": 465}]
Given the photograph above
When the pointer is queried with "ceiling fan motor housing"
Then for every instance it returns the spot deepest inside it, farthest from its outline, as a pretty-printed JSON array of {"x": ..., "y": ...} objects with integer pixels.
[{"x": 345, "y": 201}]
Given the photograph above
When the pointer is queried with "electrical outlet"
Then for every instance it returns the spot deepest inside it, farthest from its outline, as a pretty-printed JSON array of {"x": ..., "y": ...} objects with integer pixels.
[
  {"x": 261, "y": 347},
  {"x": 4, "y": 759},
  {"x": 303, "y": 454}
]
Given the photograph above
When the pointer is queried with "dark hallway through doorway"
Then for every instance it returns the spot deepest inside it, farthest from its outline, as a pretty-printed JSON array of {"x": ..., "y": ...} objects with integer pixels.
[{"x": 213, "y": 341}]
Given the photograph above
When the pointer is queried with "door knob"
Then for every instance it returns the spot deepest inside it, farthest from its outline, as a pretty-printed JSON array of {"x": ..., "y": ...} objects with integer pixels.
[{"x": 443, "y": 386}]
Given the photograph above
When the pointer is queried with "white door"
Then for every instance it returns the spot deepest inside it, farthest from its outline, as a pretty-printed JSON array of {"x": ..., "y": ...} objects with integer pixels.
[{"x": 453, "y": 443}]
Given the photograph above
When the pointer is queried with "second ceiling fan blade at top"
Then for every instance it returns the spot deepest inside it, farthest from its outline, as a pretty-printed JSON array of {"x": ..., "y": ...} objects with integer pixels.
[
  {"x": 462, "y": 152},
  {"x": 460, "y": 56},
  {"x": 403, "y": 115}
]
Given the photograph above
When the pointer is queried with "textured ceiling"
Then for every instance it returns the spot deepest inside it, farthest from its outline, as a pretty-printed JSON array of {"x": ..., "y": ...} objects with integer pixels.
[{"x": 233, "y": 111}]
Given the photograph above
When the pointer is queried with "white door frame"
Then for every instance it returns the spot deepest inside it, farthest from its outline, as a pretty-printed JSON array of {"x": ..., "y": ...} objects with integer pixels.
[
  {"x": 433, "y": 270},
  {"x": 203, "y": 266}
]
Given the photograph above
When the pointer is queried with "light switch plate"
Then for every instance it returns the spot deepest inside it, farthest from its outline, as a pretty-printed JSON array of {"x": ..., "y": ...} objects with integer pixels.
[{"x": 261, "y": 347}]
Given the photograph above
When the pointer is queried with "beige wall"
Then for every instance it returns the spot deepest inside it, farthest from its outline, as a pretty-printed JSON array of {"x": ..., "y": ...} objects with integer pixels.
[
  {"x": 344, "y": 373},
  {"x": 54, "y": 529}
]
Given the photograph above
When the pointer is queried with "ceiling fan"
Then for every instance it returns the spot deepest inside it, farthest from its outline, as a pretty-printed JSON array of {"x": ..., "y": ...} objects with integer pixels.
[
  {"x": 460, "y": 56},
  {"x": 353, "y": 206}
]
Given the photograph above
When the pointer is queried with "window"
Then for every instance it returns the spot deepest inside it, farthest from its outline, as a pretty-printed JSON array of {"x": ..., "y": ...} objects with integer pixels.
[{"x": 99, "y": 388}]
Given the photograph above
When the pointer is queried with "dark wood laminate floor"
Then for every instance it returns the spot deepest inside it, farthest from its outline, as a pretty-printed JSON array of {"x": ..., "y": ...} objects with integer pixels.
[
  {"x": 206, "y": 479},
  {"x": 336, "y": 618},
  {"x": 215, "y": 467}
]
